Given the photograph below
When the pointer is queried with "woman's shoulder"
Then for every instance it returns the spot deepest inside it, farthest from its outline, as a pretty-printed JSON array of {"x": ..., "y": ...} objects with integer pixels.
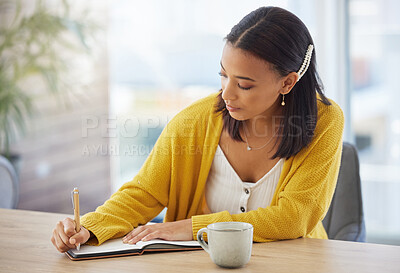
[
  {"x": 328, "y": 133},
  {"x": 195, "y": 116},
  {"x": 203, "y": 105},
  {"x": 329, "y": 115},
  {"x": 198, "y": 109}
]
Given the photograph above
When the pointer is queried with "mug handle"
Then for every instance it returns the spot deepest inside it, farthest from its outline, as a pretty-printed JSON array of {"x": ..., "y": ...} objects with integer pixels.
[{"x": 200, "y": 239}]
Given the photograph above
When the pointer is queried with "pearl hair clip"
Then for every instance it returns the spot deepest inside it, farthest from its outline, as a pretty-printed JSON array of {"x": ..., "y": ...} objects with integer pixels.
[{"x": 306, "y": 62}]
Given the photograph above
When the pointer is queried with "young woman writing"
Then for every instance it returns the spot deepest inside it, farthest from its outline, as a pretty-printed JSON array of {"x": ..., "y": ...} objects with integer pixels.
[{"x": 265, "y": 149}]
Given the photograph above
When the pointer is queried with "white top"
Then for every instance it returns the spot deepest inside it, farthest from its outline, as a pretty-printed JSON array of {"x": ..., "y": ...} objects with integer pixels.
[{"x": 226, "y": 191}]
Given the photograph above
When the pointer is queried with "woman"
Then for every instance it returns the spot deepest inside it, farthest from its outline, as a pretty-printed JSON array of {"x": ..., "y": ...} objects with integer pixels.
[{"x": 264, "y": 150}]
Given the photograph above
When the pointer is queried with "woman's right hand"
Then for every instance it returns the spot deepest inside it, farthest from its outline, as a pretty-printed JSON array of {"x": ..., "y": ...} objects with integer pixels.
[{"x": 65, "y": 237}]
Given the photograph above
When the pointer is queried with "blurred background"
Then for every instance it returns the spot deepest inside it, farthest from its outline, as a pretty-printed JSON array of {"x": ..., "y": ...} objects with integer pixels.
[{"x": 87, "y": 87}]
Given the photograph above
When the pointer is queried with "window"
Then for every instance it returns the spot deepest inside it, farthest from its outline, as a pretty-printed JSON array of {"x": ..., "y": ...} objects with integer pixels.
[{"x": 375, "y": 56}]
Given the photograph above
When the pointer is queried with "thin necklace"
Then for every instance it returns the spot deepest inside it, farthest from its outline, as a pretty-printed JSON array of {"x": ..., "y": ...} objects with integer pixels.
[{"x": 255, "y": 148}]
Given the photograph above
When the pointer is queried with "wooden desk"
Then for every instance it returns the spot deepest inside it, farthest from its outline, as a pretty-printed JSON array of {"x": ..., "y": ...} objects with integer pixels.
[{"x": 25, "y": 247}]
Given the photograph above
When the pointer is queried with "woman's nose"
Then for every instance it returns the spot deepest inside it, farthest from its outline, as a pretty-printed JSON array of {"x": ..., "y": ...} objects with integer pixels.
[{"x": 228, "y": 93}]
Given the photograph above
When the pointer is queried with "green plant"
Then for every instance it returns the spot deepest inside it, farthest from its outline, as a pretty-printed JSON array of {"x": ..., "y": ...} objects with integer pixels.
[{"x": 30, "y": 46}]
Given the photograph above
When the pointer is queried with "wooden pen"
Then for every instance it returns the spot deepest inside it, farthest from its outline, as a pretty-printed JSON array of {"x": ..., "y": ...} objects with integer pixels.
[{"x": 75, "y": 204}]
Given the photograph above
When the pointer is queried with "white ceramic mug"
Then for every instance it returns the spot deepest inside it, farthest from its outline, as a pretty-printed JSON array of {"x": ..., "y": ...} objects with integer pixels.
[{"x": 229, "y": 243}]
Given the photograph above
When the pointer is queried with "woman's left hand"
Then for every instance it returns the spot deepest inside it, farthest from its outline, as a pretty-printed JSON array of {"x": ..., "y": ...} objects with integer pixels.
[{"x": 170, "y": 231}]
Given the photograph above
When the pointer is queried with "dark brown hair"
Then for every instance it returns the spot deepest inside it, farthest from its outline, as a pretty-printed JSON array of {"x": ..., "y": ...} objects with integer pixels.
[{"x": 280, "y": 38}]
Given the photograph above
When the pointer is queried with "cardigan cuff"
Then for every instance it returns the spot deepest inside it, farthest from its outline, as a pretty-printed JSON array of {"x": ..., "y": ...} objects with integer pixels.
[
  {"x": 197, "y": 224},
  {"x": 202, "y": 221},
  {"x": 100, "y": 233}
]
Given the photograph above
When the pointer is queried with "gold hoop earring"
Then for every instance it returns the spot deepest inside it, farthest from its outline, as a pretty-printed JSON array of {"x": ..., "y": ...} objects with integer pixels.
[{"x": 283, "y": 100}]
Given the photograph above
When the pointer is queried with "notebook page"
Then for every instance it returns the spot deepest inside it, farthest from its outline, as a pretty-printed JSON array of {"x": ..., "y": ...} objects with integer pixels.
[{"x": 117, "y": 245}]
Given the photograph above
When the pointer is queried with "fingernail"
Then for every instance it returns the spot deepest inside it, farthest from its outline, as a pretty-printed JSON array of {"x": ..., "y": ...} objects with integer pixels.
[{"x": 72, "y": 241}]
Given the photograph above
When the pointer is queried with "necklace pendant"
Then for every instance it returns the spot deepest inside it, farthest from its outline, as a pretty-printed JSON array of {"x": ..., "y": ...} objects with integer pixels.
[{"x": 248, "y": 148}]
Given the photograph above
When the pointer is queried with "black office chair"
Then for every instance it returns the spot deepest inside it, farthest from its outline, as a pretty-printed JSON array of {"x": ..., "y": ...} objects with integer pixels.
[
  {"x": 8, "y": 185},
  {"x": 345, "y": 217}
]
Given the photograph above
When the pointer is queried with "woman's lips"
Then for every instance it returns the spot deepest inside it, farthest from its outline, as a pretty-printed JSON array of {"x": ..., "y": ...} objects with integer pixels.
[{"x": 231, "y": 109}]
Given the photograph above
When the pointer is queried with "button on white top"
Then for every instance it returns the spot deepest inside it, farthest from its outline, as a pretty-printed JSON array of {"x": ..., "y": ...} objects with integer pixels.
[{"x": 226, "y": 191}]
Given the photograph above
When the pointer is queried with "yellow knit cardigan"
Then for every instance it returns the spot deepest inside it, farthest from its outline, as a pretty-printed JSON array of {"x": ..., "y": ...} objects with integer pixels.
[{"x": 175, "y": 173}]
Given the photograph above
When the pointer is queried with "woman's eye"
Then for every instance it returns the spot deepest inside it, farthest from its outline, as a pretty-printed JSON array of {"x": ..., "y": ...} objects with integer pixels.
[
  {"x": 244, "y": 88},
  {"x": 241, "y": 87}
]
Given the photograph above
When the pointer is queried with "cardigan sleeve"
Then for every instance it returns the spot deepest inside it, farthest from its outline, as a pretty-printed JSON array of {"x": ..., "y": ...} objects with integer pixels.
[
  {"x": 137, "y": 201},
  {"x": 304, "y": 197},
  {"x": 171, "y": 161}
]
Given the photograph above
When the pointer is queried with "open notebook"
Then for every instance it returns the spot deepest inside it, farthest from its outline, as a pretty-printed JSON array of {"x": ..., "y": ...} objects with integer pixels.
[{"x": 116, "y": 248}]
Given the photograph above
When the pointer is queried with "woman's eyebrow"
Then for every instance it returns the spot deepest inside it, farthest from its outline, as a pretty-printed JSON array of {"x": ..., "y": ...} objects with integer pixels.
[{"x": 239, "y": 77}]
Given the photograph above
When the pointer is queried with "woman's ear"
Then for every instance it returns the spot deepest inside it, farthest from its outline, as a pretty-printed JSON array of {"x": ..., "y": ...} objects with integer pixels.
[{"x": 288, "y": 82}]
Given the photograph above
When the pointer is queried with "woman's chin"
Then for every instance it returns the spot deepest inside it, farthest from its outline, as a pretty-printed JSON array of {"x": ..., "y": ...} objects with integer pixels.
[{"x": 236, "y": 116}]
